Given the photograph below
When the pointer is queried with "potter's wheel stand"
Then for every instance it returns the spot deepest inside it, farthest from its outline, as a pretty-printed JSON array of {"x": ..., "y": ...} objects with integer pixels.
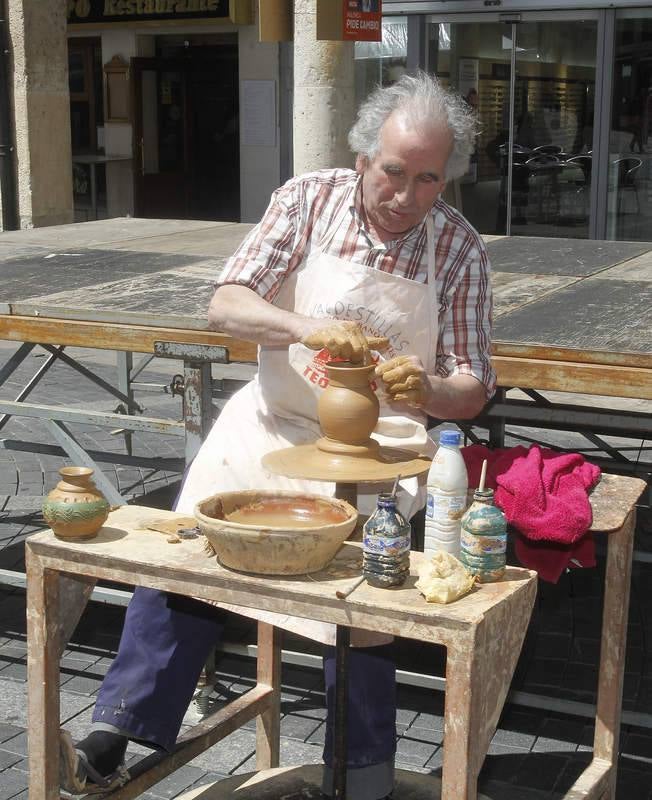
[{"x": 346, "y": 465}]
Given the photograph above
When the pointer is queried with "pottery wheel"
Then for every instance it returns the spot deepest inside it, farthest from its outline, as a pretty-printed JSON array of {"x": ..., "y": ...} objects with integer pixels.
[{"x": 308, "y": 461}]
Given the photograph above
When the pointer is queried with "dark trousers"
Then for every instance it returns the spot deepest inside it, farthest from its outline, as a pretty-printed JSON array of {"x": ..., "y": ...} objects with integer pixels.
[{"x": 165, "y": 642}]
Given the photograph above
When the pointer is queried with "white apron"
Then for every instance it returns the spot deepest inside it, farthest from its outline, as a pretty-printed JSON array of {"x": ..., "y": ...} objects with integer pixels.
[{"x": 278, "y": 408}]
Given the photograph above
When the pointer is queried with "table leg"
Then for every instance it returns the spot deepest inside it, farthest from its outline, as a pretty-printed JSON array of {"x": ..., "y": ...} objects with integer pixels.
[
  {"x": 480, "y": 665},
  {"x": 613, "y": 643},
  {"x": 125, "y": 363},
  {"x": 43, "y": 642},
  {"x": 463, "y": 692},
  {"x": 340, "y": 733},
  {"x": 268, "y": 724},
  {"x": 197, "y": 405}
]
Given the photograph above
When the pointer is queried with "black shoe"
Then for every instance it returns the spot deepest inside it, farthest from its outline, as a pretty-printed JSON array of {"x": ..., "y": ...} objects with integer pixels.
[{"x": 78, "y": 776}]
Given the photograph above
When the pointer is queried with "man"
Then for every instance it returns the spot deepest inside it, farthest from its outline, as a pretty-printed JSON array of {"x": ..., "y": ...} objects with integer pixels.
[{"x": 338, "y": 256}]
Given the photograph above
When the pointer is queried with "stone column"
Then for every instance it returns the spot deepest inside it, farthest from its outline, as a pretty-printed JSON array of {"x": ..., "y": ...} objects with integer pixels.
[
  {"x": 324, "y": 95},
  {"x": 42, "y": 111}
]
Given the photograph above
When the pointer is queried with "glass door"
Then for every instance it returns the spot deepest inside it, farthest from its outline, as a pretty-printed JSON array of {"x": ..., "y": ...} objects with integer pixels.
[
  {"x": 532, "y": 81},
  {"x": 161, "y": 139},
  {"x": 629, "y": 197}
]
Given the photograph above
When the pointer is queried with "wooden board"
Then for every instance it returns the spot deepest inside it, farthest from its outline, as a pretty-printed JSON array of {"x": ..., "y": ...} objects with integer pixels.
[
  {"x": 594, "y": 314},
  {"x": 534, "y": 255},
  {"x": 49, "y": 272},
  {"x": 137, "y": 281}
]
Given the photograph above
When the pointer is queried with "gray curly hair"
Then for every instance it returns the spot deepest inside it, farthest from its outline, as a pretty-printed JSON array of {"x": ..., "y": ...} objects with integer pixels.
[{"x": 425, "y": 103}]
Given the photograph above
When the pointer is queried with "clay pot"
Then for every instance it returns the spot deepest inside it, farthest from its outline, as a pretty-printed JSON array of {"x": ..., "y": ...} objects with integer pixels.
[
  {"x": 275, "y": 532},
  {"x": 348, "y": 408},
  {"x": 75, "y": 508}
]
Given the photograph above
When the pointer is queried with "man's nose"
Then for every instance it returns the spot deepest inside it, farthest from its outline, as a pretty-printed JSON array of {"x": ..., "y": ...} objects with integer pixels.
[{"x": 405, "y": 195}]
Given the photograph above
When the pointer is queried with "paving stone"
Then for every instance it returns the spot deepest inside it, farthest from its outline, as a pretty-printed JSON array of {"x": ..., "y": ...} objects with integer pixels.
[
  {"x": 76, "y": 660},
  {"x": 16, "y": 671},
  {"x": 318, "y": 736},
  {"x": 639, "y": 745},
  {"x": 84, "y": 684},
  {"x": 13, "y": 783},
  {"x": 8, "y": 759},
  {"x": 17, "y": 744},
  {"x": 540, "y": 770},
  {"x": 513, "y": 740},
  {"x": 502, "y": 763},
  {"x": 177, "y": 782},
  {"x": 433, "y": 764},
  {"x": 433, "y": 722},
  {"x": 310, "y": 707},
  {"x": 300, "y": 728},
  {"x": 229, "y": 754},
  {"x": 292, "y": 753},
  {"x": 502, "y": 791},
  {"x": 7, "y": 731},
  {"x": 414, "y": 751},
  {"x": 430, "y": 735},
  {"x": 559, "y": 734}
]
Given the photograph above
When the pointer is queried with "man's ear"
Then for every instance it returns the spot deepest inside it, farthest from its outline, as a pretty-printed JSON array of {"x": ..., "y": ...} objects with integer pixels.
[{"x": 361, "y": 163}]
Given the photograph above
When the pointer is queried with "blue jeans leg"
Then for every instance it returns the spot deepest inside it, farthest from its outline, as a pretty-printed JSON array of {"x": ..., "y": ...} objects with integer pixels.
[
  {"x": 165, "y": 642},
  {"x": 371, "y": 721},
  {"x": 371, "y": 712}
]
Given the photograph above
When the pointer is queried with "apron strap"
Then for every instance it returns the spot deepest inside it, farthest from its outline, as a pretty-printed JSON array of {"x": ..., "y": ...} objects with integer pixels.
[{"x": 432, "y": 289}]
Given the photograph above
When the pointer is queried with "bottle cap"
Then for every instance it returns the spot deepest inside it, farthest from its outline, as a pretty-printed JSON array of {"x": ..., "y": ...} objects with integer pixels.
[
  {"x": 387, "y": 498},
  {"x": 450, "y": 437}
]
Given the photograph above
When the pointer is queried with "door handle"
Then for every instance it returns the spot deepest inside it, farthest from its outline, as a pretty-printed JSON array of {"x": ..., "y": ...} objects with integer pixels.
[{"x": 142, "y": 156}]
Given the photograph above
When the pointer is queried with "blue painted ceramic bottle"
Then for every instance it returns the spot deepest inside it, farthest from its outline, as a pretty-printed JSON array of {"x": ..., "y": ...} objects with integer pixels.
[
  {"x": 386, "y": 545},
  {"x": 484, "y": 538}
]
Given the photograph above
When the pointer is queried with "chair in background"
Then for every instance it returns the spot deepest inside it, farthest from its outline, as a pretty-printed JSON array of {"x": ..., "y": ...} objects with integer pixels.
[
  {"x": 544, "y": 180},
  {"x": 520, "y": 193},
  {"x": 520, "y": 153},
  {"x": 574, "y": 183},
  {"x": 549, "y": 149},
  {"x": 624, "y": 182}
]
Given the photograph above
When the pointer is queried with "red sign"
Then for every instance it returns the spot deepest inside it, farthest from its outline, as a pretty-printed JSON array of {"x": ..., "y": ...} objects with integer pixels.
[{"x": 361, "y": 20}]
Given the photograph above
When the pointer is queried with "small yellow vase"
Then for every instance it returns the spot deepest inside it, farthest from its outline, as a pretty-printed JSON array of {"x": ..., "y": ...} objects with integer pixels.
[{"x": 75, "y": 508}]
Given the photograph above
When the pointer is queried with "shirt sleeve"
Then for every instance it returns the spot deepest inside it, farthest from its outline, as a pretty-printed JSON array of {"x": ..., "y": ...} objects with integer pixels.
[
  {"x": 271, "y": 249},
  {"x": 465, "y": 319}
]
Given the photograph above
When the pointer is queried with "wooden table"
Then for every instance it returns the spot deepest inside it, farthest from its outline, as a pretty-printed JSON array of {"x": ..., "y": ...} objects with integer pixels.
[
  {"x": 571, "y": 315},
  {"x": 483, "y": 633}
]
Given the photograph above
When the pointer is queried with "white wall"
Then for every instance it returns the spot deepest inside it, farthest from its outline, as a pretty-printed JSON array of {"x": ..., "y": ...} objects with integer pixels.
[{"x": 259, "y": 165}]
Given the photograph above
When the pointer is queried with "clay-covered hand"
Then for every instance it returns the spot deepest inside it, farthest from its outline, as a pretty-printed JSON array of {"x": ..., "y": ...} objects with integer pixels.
[
  {"x": 404, "y": 378},
  {"x": 344, "y": 339}
]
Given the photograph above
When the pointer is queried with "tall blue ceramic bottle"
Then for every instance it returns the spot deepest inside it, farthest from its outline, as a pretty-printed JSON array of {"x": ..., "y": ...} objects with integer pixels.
[
  {"x": 386, "y": 545},
  {"x": 484, "y": 538}
]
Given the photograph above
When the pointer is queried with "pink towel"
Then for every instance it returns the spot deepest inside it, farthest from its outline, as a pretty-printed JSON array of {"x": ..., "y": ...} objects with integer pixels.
[{"x": 544, "y": 495}]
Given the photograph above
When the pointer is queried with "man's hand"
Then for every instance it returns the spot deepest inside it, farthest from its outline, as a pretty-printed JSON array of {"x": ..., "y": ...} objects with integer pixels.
[
  {"x": 404, "y": 379},
  {"x": 343, "y": 340}
]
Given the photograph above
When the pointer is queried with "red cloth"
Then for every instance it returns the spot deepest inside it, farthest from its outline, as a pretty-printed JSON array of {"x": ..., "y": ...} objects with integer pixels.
[{"x": 544, "y": 496}]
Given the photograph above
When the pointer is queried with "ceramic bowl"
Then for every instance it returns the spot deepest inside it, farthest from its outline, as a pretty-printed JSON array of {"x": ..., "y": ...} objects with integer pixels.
[{"x": 275, "y": 532}]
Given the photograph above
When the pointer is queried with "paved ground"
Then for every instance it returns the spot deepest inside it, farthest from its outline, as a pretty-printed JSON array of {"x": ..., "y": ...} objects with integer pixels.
[{"x": 535, "y": 754}]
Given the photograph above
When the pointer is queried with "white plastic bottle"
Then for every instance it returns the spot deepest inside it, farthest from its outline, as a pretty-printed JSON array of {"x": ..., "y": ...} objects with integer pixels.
[{"x": 447, "y": 496}]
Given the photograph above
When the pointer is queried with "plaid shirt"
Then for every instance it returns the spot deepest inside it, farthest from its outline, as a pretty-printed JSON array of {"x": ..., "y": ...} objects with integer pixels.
[{"x": 302, "y": 211}]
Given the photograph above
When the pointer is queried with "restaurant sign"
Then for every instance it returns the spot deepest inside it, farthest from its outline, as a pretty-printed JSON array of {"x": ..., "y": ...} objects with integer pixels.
[
  {"x": 362, "y": 21},
  {"x": 350, "y": 20},
  {"x": 100, "y": 11}
]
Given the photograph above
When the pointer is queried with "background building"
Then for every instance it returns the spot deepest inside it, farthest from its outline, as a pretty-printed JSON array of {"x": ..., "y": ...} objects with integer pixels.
[{"x": 177, "y": 109}]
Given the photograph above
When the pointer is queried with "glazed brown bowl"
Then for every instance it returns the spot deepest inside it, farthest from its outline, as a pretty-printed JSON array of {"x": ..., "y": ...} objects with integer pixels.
[{"x": 275, "y": 532}]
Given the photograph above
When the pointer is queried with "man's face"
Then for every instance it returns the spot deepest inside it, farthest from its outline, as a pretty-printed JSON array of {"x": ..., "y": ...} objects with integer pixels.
[{"x": 402, "y": 182}]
